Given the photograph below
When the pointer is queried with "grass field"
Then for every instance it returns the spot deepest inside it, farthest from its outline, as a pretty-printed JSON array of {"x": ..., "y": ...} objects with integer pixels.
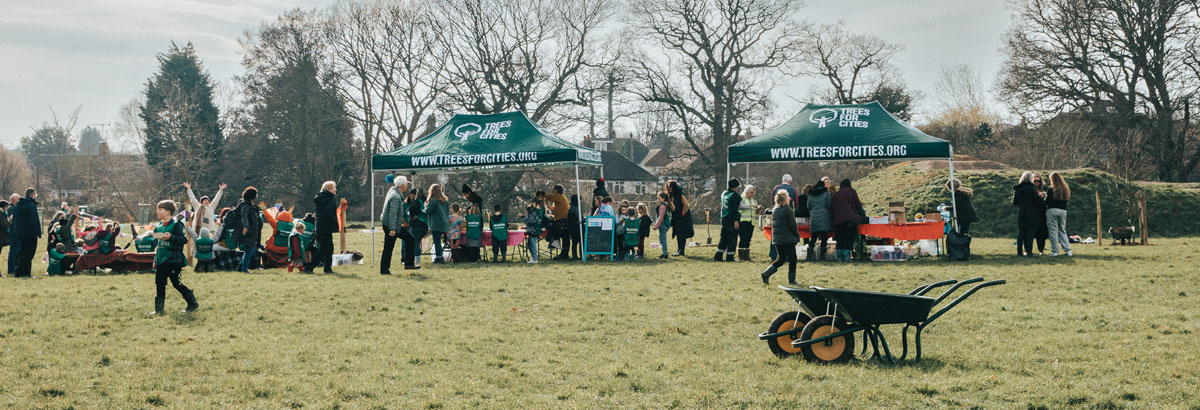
[{"x": 1113, "y": 327}]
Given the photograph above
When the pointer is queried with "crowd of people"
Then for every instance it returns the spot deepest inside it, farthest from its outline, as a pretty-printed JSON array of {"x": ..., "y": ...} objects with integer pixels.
[{"x": 456, "y": 229}]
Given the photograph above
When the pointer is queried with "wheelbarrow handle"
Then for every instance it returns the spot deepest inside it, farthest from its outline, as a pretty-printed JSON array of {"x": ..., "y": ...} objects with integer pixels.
[
  {"x": 960, "y": 299},
  {"x": 921, "y": 290},
  {"x": 955, "y": 287}
]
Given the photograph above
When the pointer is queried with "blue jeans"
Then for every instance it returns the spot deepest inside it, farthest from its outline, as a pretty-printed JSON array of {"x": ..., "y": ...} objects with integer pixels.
[
  {"x": 531, "y": 242},
  {"x": 248, "y": 254},
  {"x": 437, "y": 246},
  {"x": 662, "y": 239}
]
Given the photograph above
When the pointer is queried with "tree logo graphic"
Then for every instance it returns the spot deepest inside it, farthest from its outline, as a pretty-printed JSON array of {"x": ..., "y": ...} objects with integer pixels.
[
  {"x": 466, "y": 130},
  {"x": 823, "y": 116}
]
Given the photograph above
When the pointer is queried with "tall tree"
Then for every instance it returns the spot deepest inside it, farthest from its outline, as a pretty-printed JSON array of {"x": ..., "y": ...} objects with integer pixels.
[
  {"x": 1133, "y": 57},
  {"x": 89, "y": 140},
  {"x": 300, "y": 134},
  {"x": 854, "y": 65},
  {"x": 712, "y": 64},
  {"x": 183, "y": 138}
]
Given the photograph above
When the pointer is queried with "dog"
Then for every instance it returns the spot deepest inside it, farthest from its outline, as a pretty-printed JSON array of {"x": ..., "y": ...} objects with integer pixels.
[{"x": 1122, "y": 233}]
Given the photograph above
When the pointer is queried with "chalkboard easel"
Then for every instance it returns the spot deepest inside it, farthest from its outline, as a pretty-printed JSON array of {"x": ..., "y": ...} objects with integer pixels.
[{"x": 598, "y": 235}]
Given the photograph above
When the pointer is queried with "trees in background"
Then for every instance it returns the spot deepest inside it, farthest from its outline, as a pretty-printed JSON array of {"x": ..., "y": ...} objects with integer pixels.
[
  {"x": 1131, "y": 65},
  {"x": 182, "y": 134},
  {"x": 299, "y": 132},
  {"x": 712, "y": 65}
]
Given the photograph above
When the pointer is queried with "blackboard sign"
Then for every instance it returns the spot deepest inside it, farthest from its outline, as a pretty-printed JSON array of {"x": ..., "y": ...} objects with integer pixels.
[{"x": 598, "y": 235}]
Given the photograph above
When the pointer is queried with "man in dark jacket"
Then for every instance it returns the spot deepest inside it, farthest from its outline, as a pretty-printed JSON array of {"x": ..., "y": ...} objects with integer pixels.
[
  {"x": 1029, "y": 204},
  {"x": 250, "y": 217},
  {"x": 4, "y": 226},
  {"x": 26, "y": 230},
  {"x": 326, "y": 203}
]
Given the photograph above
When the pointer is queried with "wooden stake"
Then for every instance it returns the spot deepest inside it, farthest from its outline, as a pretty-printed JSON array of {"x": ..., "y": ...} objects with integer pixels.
[
  {"x": 1142, "y": 219},
  {"x": 1099, "y": 233}
]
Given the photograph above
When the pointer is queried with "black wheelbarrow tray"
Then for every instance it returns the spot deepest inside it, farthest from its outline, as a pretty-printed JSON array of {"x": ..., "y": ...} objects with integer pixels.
[{"x": 822, "y": 327}]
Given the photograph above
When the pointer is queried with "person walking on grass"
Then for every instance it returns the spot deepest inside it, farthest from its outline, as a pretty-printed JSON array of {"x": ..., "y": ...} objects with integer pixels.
[
  {"x": 1029, "y": 204},
  {"x": 784, "y": 237},
  {"x": 820, "y": 220},
  {"x": 26, "y": 230},
  {"x": 249, "y": 218},
  {"x": 1056, "y": 214},
  {"x": 394, "y": 227},
  {"x": 966, "y": 212},
  {"x": 168, "y": 258},
  {"x": 326, "y": 203},
  {"x": 731, "y": 202}
]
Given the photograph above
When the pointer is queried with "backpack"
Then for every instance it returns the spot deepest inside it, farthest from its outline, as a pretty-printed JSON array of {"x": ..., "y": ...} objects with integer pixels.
[{"x": 233, "y": 221}]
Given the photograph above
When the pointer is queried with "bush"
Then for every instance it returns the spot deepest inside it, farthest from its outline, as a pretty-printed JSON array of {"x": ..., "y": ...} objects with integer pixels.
[{"x": 1171, "y": 211}]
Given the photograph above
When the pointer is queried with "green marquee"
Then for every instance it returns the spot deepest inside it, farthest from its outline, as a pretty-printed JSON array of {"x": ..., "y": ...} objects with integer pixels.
[
  {"x": 483, "y": 142},
  {"x": 839, "y": 133}
]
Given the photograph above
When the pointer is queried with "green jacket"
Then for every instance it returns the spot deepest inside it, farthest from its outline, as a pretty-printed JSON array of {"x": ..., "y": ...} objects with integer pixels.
[
  {"x": 499, "y": 225},
  {"x": 55, "y": 266},
  {"x": 438, "y": 214},
  {"x": 730, "y": 202}
]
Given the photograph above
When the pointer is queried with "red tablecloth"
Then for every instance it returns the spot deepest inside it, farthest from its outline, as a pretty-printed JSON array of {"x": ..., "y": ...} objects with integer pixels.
[
  {"x": 906, "y": 232},
  {"x": 514, "y": 238}
]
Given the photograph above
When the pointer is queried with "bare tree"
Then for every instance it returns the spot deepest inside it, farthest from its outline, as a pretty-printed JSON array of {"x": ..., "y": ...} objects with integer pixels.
[
  {"x": 520, "y": 56},
  {"x": 1128, "y": 56},
  {"x": 130, "y": 130},
  {"x": 713, "y": 64},
  {"x": 390, "y": 56},
  {"x": 15, "y": 173},
  {"x": 960, "y": 87},
  {"x": 855, "y": 65}
]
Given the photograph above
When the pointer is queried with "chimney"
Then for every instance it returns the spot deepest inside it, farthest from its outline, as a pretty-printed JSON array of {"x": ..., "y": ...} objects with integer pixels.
[{"x": 103, "y": 149}]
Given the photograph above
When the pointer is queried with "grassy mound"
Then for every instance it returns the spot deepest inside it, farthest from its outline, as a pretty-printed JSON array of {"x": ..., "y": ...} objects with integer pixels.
[{"x": 1172, "y": 211}]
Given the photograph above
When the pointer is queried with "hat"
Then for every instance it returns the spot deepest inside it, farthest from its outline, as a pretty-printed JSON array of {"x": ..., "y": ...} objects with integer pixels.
[{"x": 204, "y": 198}]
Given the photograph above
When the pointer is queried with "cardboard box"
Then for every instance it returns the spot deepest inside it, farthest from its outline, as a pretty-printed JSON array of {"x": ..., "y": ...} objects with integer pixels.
[
  {"x": 897, "y": 214},
  {"x": 933, "y": 216}
]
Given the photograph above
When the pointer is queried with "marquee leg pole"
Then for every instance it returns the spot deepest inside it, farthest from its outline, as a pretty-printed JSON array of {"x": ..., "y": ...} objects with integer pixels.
[
  {"x": 372, "y": 188},
  {"x": 953, "y": 202},
  {"x": 580, "y": 211}
]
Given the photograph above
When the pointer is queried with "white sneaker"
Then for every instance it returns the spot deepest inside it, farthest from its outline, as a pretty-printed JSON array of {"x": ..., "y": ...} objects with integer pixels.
[
  {"x": 1053, "y": 254},
  {"x": 531, "y": 262},
  {"x": 1069, "y": 253}
]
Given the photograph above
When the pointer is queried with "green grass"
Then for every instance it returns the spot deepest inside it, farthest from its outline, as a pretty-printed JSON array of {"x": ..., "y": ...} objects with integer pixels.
[{"x": 1113, "y": 327}]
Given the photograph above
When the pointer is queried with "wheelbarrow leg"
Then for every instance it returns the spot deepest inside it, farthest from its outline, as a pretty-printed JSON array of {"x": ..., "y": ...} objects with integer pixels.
[
  {"x": 874, "y": 345},
  {"x": 904, "y": 339},
  {"x": 918, "y": 339},
  {"x": 883, "y": 341}
]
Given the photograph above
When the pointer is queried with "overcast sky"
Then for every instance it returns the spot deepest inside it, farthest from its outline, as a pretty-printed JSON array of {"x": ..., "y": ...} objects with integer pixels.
[{"x": 98, "y": 54}]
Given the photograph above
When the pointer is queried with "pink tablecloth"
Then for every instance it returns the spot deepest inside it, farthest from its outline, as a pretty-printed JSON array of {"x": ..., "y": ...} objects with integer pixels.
[{"x": 514, "y": 238}]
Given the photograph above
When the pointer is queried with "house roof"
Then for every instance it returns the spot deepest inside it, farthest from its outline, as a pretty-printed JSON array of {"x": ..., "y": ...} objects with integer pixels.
[{"x": 656, "y": 158}]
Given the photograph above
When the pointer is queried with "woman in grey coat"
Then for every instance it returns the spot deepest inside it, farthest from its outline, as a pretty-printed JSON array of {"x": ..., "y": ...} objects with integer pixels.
[
  {"x": 784, "y": 236},
  {"x": 820, "y": 219}
]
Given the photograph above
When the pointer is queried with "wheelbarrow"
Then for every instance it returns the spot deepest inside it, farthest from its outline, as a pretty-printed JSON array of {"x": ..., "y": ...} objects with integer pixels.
[{"x": 822, "y": 327}]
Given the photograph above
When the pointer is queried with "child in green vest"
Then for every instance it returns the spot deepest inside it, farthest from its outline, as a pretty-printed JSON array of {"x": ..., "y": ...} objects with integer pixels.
[
  {"x": 474, "y": 232},
  {"x": 296, "y": 254},
  {"x": 630, "y": 241},
  {"x": 204, "y": 251},
  {"x": 169, "y": 259},
  {"x": 499, "y": 225},
  {"x": 55, "y": 267}
]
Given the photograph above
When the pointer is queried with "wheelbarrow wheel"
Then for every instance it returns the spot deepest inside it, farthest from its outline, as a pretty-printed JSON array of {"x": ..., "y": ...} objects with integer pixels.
[
  {"x": 782, "y": 346},
  {"x": 836, "y": 350}
]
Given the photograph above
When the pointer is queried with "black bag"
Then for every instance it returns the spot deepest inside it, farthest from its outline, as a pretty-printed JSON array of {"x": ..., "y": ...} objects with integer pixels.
[
  {"x": 958, "y": 246},
  {"x": 233, "y": 221}
]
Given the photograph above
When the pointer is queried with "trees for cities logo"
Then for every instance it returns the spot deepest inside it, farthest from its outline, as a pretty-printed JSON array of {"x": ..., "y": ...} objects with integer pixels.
[
  {"x": 823, "y": 116},
  {"x": 490, "y": 131}
]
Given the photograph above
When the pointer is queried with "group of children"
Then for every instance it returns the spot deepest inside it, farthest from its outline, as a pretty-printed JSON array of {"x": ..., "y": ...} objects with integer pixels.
[
  {"x": 63, "y": 238},
  {"x": 466, "y": 233},
  {"x": 633, "y": 227}
]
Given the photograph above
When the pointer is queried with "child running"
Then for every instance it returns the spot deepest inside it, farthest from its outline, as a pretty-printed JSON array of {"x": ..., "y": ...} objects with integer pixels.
[{"x": 169, "y": 259}]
